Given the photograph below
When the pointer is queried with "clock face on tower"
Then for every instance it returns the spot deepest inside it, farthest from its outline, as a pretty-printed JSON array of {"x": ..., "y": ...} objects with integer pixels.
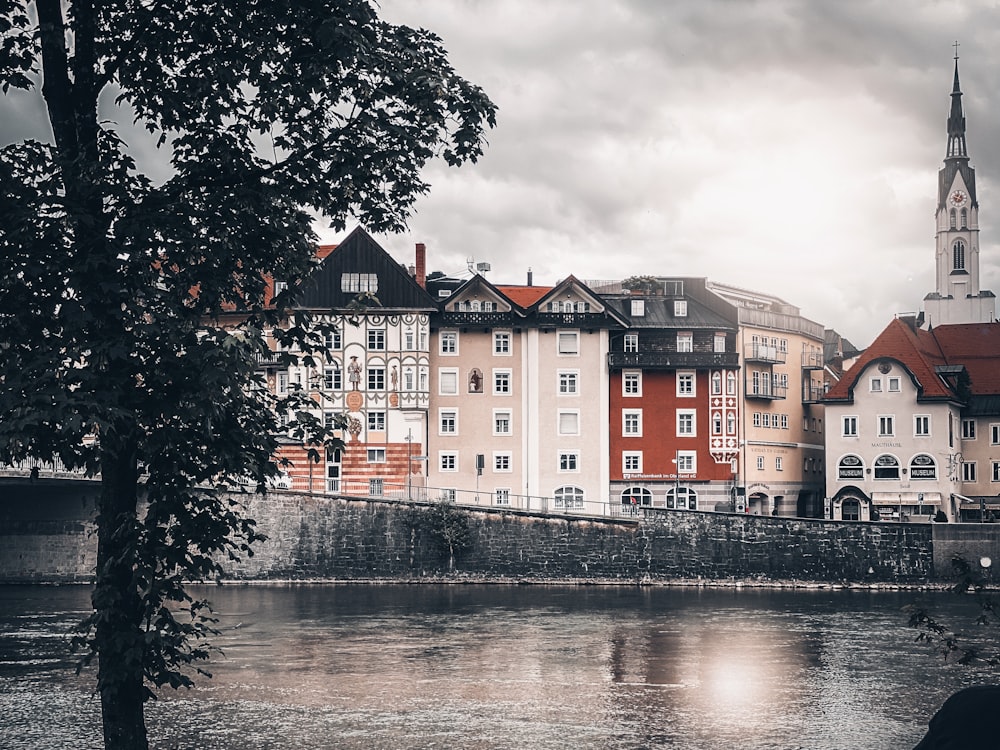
[{"x": 958, "y": 198}]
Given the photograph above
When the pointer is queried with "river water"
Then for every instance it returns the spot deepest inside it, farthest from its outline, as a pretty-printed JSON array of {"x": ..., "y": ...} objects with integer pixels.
[{"x": 485, "y": 667}]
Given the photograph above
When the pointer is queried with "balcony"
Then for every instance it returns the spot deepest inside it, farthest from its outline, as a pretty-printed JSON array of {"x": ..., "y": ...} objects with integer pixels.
[
  {"x": 812, "y": 360},
  {"x": 764, "y": 353},
  {"x": 812, "y": 393},
  {"x": 673, "y": 360},
  {"x": 475, "y": 319},
  {"x": 572, "y": 320},
  {"x": 767, "y": 392},
  {"x": 271, "y": 360}
]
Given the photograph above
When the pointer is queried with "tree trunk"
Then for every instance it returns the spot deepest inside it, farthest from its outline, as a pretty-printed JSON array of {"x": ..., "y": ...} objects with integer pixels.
[{"x": 118, "y": 605}]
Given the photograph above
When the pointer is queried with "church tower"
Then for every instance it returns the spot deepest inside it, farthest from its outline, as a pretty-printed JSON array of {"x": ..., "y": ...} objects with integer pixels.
[{"x": 957, "y": 298}]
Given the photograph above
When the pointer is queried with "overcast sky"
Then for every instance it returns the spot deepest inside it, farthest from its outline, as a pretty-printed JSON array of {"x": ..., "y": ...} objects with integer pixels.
[
  {"x": 786, "y": 146},
  {"x": 790, "y": 147}
]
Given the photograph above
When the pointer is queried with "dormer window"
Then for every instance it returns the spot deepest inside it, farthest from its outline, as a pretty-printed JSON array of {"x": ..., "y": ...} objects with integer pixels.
[
  {"x": 638, "y": 307},
  {"x": 680, "y": 308}
]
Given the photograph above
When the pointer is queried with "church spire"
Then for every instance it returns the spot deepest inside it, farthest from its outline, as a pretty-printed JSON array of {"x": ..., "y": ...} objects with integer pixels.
[{"x": 956, "y": 120}]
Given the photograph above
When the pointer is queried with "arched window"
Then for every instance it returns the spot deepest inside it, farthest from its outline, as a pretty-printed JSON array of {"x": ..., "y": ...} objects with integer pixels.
[
  {"x": 886, "y": 467},
  {"x": 953, "y": 223},
  {"x": 965, "y": 219},
  {"x": 683, "y": 498},
  {"x": 850, "y": 510},
  {"x": 637, "y": 496},
  {"x": 731, "y": 383},
  {"x": 923, "y": 466},
  {"x": 568, "y": 497},
  {"x": 730, "y": 424},
  {"x": 850, "y": 467},
  {"x": 716, "y": 383},
  {"x": 716, "y": 423},
  {"x": 958, "y": 256}
]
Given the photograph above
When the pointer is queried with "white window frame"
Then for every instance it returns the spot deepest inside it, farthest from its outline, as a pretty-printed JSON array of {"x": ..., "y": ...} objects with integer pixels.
[
  {"x": 632, "y": 376},
  {"x": 448, "y": 343},
  {"x": 849, "y": 425},
  {"x": 569, "y": 462},
  {"x": 760, "y": 463},
  {"x": 719, "y": 343},
  {"x": 376, "y": 339},
  {"x": 994, "y": 433},
  {"x": 693, "y": 414},
  {"x": 680, "y": 308},
  {"x": 497, "y": 415},
  {"x": 374, "y": 419},
  {"x": 875, "y": 385},
  {"x": 501, "y": 496},
  {"x": 635, "y": 459},
  {"x": 968, "y": 429},
  {"x": 502, "y": 462},
  {"x": 448, "y": 457},
  {"x": 568, "y": 383},
  {"x": 687, "y": 462},
  {"x": 502, "y": 382},
  {"x": 442, "y": 414},
  {"x": 447, "y": 373},
  {"x": 686, "y": 378},
  {"x": 568, "y": 343},
  {"x": 630, "y": 344},
  {"x": 638, "y": 308},
  {"x": 632, "y": 418},
  {"x": 886, "y": 421},
  {"x": 894, "y": 384},
  {"x": 995, "y": 467},
  {"x": 376, "y": 378},
  {"x": 502, "y": 344},
  {"x": 376, "y": 455},
  {"x": 779, "y": 464},
  {"x": 567, "y": 414},
  {"x": 970, "y": 472},
  {"x": 685, "y": 342},
  {"x": 921, "y": 425}
]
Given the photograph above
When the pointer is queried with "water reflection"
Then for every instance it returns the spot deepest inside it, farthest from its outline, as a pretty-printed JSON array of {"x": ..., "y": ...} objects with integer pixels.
[{"x": 505, "y": 667}]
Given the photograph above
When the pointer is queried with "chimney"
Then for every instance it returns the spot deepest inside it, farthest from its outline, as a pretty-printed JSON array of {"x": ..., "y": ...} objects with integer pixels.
[
  {"x": 421, "y": 265},
  {"x": 529, "y": 277}
]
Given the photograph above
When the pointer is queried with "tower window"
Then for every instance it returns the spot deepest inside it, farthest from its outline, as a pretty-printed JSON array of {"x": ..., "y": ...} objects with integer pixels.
[
  {"x": 965, "y": 218},
  {"x": 954, "y": 224},
  {"x": 958, "y": 256}
]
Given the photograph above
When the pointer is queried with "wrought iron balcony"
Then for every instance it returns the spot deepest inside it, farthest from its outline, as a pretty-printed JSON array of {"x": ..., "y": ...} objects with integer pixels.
[
  {"x": 673, "y": 360},
  {"x": 572, "y": 319},
  {"x": 758, "y": 352},
  {"x": 475, "y": 319},
  {"x": 768, "y": 392}
]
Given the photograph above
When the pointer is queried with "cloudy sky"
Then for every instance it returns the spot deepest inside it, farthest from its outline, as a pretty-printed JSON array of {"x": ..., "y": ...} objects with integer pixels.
[{"x": 787, "y": 146}]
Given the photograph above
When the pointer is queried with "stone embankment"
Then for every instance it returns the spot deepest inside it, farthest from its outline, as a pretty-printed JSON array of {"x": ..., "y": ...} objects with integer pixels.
[{"x": 46, "y": 535}]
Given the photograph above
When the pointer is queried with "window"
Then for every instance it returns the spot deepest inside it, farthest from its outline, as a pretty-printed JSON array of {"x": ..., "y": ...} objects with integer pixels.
[
  {"x": 719, "y": 343},
  {"x": 569, "y": 461},
  {"x": 449, "y": 342},
  {"x": 958, "y": 256},
  {"x": 449, "y": 461},
  {"x": 886, "y": 426},
  {"x": 501, "y": 462},
  {"x": 408, "y": 379},
  {"x": 921, "y": 425},
  {"x": 969, "y": 471},
  {"x": 893, "y": 385},
  {"x": 850, "y": 510},
  {"x": 686, "y": 462},
  {"x": 922, "y": 466},
  {"x": 448, "y": 495},
  {"x": 501, "y": 343},
  {"x": 358, "y": 282},
  {"x": 569, "y": 423},
  {"x": 731, "y": 383},
  {"x": 376, "y": 339},
  {"x": 850, "y": 467},
  {"x": 756, "y": 419},
  {"x": 638, "y": 307},
  {"x": 448, "y": 422},
  {"x": 850, "y": 426},
  {"x": 632, "y": 422},
  {"x": 876, "y": 385},
  {"x": 631, "y": 342},
  {"x": 632, "y": 384},
  {"x": 501, "y": 422},
  {"x": 637, "y": 496},
  {"x": 995, "y": 434},
  {"x": 376, "y": 421},
  {"x": 332, "y": 339},
  {"x": 568, "y": 383},
  {"x": 501, "y": 382},
  {"x": 766, "y": 419},
  {"x": 568, "y": 497},
  {"x": 784, "y": 421},
  {"x": 682, "y": 498},
  {"x": 448, "y": 382},
  {"x": 685, "y": 384},
  {"x": 716, "y": 381},
  {"x": 281, "y": 383},
  {"x": 680, "y": 308},
  {"x": 332, "y": 379},
  {"x": 685, "y": 422},
  {"x": 886, "y": 467},
  {"x": 632, "y": 462},
  {"x": 408, "y": 340},
  {"x": 778, "y": 464},
  {"x": 965, "y": 218},
  {"x": 501, "y": 496},
  {"x": 685, "y": 342},
  {"x": 569, "y": 343},
  {"x": 760, "y": 463},
  {"x": 968, "y": 429},
  {"x": 716, "y": 423},
  {"x": 376, "y": 487},
  {"x": 376, "y": 378},
  {"x": 376, "y": 455},
  {"x": 996, "y": 471}
]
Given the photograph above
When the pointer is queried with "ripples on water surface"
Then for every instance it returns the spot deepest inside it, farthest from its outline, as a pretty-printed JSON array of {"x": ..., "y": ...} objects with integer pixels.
[{"x": 485, "y": 667}]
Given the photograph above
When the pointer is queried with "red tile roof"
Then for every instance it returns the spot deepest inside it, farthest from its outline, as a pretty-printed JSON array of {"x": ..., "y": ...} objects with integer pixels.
[
  {"x": 975, "y": 346},
  {"x": 525, "y": 296}
]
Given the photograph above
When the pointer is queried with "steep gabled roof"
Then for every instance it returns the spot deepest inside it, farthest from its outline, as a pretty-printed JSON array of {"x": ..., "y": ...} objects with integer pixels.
[
  {"x": 524, "y": 296},
  {"x": 359, "y": 253},
  {"x": 573, "y": 285},
  {"x": 478, "y": 285},
  {"x": 977, "y": 346},
  {"x": 915, "y": 349}
]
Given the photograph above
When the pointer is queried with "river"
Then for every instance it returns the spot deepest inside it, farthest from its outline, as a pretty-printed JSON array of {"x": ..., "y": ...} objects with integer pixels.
[{"x": 488, "y": 667}]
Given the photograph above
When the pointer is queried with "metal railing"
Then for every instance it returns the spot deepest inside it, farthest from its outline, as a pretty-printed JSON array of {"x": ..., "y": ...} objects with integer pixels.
[
  {"x": 758, "y": 352},
  {"x": 671, "y": 360}
]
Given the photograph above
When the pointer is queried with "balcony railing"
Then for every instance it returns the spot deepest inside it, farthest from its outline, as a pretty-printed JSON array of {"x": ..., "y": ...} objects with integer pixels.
[
  {"x": 757, "y": 352},
  {"x": 476, "y": 318},
  {"x": 812, "y": 393},
  {"x": 572, "y": 319},
  {"x": 673, "y": 360},
  {"x": 769, "y": 392},
  {"x": 812, "y": 360}
]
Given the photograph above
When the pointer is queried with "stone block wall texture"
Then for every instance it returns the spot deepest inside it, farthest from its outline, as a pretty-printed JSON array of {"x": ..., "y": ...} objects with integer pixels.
[{"x": 46, "y": 534}]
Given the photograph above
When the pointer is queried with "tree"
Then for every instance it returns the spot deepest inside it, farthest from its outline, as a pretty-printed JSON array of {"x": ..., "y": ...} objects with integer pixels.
[{"x": 120, "y": 287}]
